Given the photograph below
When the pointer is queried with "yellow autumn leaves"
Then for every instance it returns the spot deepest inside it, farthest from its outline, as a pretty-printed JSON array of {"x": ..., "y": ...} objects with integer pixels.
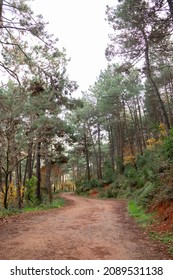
[
  {"x": 12, "y": 195},
  {"x": 151, "y": 143}
]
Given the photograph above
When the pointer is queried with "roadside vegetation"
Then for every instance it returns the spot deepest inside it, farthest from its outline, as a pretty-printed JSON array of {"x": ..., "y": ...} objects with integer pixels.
[
  {"x": 147, "y": 184},
  {"x": 115, "y": 141},
  {"x": 30, "y": 203},
  {"x": 127, "y": 117},
  {"x": 147, "y": 220}
]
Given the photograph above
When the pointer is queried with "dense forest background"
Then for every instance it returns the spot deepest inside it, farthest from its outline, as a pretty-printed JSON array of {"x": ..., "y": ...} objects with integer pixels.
[{"x": 118, "y": 134}]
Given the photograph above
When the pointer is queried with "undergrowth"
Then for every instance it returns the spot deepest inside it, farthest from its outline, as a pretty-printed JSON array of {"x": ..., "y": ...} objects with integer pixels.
[
  {"x": 145, "y": 219},
  {"x": 140, "y": 215},
  {"x": 165, "y": 237},
  {"x": 8, "y": 212},
  {"x": 146, "y": 183},
  {"x": 57, "y": 203}
]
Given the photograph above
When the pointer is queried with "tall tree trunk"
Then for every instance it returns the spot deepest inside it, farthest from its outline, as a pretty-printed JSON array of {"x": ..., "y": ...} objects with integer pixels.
[
  {"x": 96, "y": 160},
  {"x": 1, "y": 187},
  {"x": 88, "y": 175},
  {"x": 119, "y": 138},
  {"x": 7, "y": 178},
  {"x": 38, "y": 171},
  {"x": 138, "y": 129},
  {"x": 132, "y": 135},
  {"x": 29, "y": 161},
  {"x": 99, "y": 153},
  {"x": 48, "y": 174},
  {"x": 168, "y": 104},
  {"x": 20, "y": 171},
  {"x": 73, "y": 173},
  {"x": 6, "y": 190},
  {"x": 140, "y": 123},
  {"x": 1, "y": 9},
  {"x": 18, "y": 184},
  {"x": 153, "y": 83},
  {"x": 129, "y": 135},
  {"x": 120, "y": 149},
  {"x": 48, "y": 180},
  {"x": 111, "y": 145},
  {"x": 170, "y": 87},
  {"x": 25, "y": 172}
]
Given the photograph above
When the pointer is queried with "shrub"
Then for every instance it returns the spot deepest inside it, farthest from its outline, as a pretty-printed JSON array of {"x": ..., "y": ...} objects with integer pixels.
[
  {"x": 167, "y": 148},
  {"x": 95, "y": 183},
  {"x": 146, "y": 194},
  {"x": 110, "y": 192},
  {"x": 108, "y": 172},
  {"x": 134, "y": 178},
  {"x": 12, "y": 195},
  {"x": 149, "y": 173},
  {"x": 139, "y": 214},
  {"x": 145, "y": 159},
  {"x": 129, "y": 160},
  {"x": 86, "y": 186},
  {"x": 30, "y": 194},
  {"x": 130, "y": 172},
  {"x": 79, "y": 189}
]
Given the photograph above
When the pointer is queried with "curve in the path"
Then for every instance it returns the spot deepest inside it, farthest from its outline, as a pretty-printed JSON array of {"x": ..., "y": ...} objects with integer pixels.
[{"x": 85, "y": 229}]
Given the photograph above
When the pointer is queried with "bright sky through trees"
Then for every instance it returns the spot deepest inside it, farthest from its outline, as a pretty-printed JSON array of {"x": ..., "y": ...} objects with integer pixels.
[{"x": 81, "y": 28}]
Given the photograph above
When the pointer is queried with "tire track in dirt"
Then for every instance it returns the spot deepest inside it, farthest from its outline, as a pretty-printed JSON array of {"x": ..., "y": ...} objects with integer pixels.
[{"x": 89, "y": 229}]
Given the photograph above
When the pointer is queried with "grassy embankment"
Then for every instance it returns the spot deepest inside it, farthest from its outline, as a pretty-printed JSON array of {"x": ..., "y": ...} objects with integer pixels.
[
  {"x": 148, "y": 219},
  {"x": 57, "y": 203},
  {"x": 148, "y": 186}
]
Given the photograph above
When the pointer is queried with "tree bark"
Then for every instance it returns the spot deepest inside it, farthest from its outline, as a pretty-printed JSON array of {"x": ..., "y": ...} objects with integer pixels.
[
  {"x": 29, "y": 161},
  {"x": 1, "y": 9},
  {"x": 119, "y": 138},
  {"x": 6, "y": 190},
  {"x": 18, "y": 184},
  {"x": 111, "y": 146},
  {"x": 38, "y": 172},
  {"x": 96, "y": 155},
  {"x": 88, "y": 175},
  {"x": 140, "y": 123},
  {"x": 138, "y": 129},
  {"x": 7, "y": 178},
  {"x": 48, "y": 174},
  {"x": 153, "y": 83},
  {"x": 25, "y": 172},
  {"x": 99, "y": 153},
  {"x": 1, "y": 187}
]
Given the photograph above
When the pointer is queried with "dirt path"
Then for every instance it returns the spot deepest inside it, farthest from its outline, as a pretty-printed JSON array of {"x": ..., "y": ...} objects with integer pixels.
[{"x": 84, "y": 229}]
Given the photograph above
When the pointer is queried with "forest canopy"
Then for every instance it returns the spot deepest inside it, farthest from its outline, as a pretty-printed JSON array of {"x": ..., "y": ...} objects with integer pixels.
[{"x": 47, "y": 137}]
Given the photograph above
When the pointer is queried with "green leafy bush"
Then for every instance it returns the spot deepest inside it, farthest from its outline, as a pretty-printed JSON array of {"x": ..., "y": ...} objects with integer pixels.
[
  {"x": 56, "y": 203},
  {"x": 139, "y": 214},
  {"x": 134, "y": 178},
  {"x": 150, "y": 158},
  {"x": 108, "y": 173},
  {"x": 149, "y": 174},
  {"x": 146, "y": 194},
  {"x": 167, "y": 148},
  {"x": 86, "y": 186},
  {"x": 110, "y": 192},
  {"x": 130, "y": 172},
  {"x": 30, "y": 194}
]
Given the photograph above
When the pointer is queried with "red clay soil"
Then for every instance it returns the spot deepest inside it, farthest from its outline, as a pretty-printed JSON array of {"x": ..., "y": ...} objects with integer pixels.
[
  {"x": 85, "y": 229},
  {"x": 164, "y": 215}
]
